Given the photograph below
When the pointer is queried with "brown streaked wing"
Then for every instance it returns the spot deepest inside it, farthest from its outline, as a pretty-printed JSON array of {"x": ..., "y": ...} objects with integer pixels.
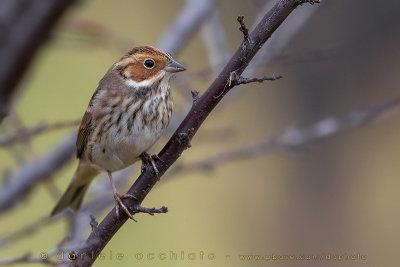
[
  {"x": 85, "y": 127},
  {"x": 83, "y": 133}
]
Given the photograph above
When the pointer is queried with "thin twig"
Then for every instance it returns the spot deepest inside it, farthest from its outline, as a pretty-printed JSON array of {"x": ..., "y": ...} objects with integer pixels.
[
  {"x": 151, "y": 211},
  {"x": 25, "y": 231},
  {"x": 44, "y": 257},
  {"x": 93, "y": 222},
  {"x": 28, "y": 258},
  {"x": 312, "y": 2},
  {"x": 238, "y": 80},
  {"x": 243, "y": 29},
  {"x": 195, "y": 96},
  {"x": 25, "y": 134}
]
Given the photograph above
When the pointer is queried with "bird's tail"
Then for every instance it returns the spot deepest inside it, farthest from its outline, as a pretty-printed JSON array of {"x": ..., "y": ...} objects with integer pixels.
[{"x": 76, "y": 190}]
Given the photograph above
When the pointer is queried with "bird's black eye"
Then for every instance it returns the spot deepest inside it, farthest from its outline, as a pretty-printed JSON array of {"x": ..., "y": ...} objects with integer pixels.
[{"x": 148, "y": 63}]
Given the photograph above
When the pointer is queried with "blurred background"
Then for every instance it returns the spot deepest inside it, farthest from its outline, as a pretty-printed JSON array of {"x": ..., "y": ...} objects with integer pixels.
[{"x": 305, "y": 165}]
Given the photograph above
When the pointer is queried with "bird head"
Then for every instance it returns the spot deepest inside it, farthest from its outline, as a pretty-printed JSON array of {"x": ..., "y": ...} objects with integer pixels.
[{"x": 146, "y": 65}]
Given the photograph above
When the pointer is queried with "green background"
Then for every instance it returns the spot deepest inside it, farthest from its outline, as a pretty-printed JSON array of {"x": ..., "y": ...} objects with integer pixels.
[{"x": 337, "y": 195}]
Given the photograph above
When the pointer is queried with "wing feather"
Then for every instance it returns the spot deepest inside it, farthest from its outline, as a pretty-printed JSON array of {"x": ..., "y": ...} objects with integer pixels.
[
  {"x": 83, "y": 133},
  {"x": 85, "y": 129}
]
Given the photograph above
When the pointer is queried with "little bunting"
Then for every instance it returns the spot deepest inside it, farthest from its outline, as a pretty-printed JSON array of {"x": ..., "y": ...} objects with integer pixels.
[{"x": 126, "y": 115}]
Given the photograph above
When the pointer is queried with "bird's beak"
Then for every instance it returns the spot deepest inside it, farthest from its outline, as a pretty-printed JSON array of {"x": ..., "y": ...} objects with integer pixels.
[{"x": 174, "y": 66}]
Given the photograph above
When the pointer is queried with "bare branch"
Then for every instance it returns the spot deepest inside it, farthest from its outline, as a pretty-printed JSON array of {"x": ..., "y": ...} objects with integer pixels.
[
  {"x": 188, "y": 21},
  {"x": 22, "y": 182},
  {"x": 25, "y": 134},
  {"x": 214, "y": 38},
  {"x": 293, "y": 138},
  {"x": 82, "y": 219},
  {"x": 334, "y": 125},
  {"x": 195, "y": 96},
  {"x": 26, "y": 231},
  {"x": 312, "y": 2},
  {"x": 244, "y": 29},
  {"x": 185, "y": 132},
  {"x": 93, "y": 222},
  {"x": 185, "y": 25},
  {"x": 29, "y": 26},
  {"x": 44, "y": 257},
  {"x": 236, "y": 79},
  {"x": 27, "y": 258},
  {"x": 277, "y": 44},
  {"x": 151, "y": 211},
  {"x": 243, "y": 80},
  {"x": 176, "y": 38}
]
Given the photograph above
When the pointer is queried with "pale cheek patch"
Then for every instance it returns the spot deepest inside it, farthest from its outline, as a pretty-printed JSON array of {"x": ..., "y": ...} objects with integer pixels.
[
  {"x": 132, "y": 83},
  {"x": 145, "y": 83}
]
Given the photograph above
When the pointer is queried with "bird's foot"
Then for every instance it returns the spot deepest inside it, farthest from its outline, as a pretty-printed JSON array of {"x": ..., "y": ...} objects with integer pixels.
[
  {"x": 148, "y": 159},
  {"x": 118, "y": 198}
]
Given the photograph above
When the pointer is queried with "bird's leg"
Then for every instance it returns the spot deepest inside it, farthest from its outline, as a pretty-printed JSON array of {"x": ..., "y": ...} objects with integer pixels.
[
  {"x": 118, "y": 198},
  {"x": 147, "y": 159}
]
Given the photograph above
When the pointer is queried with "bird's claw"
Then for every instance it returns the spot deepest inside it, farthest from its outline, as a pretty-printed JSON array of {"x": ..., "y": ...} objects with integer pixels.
[
  {"x": 148, "y": 159},
  {"x": 118, "y": 198}
]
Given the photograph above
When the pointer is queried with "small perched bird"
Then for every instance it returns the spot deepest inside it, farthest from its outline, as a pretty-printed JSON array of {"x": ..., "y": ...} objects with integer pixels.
[{"x": 127, "y": 114}]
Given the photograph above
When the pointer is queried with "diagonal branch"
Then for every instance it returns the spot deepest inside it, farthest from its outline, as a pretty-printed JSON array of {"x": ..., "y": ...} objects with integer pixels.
[
  {"x": 291, "y": 139},
  {"x": 188, "y": 128}
]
